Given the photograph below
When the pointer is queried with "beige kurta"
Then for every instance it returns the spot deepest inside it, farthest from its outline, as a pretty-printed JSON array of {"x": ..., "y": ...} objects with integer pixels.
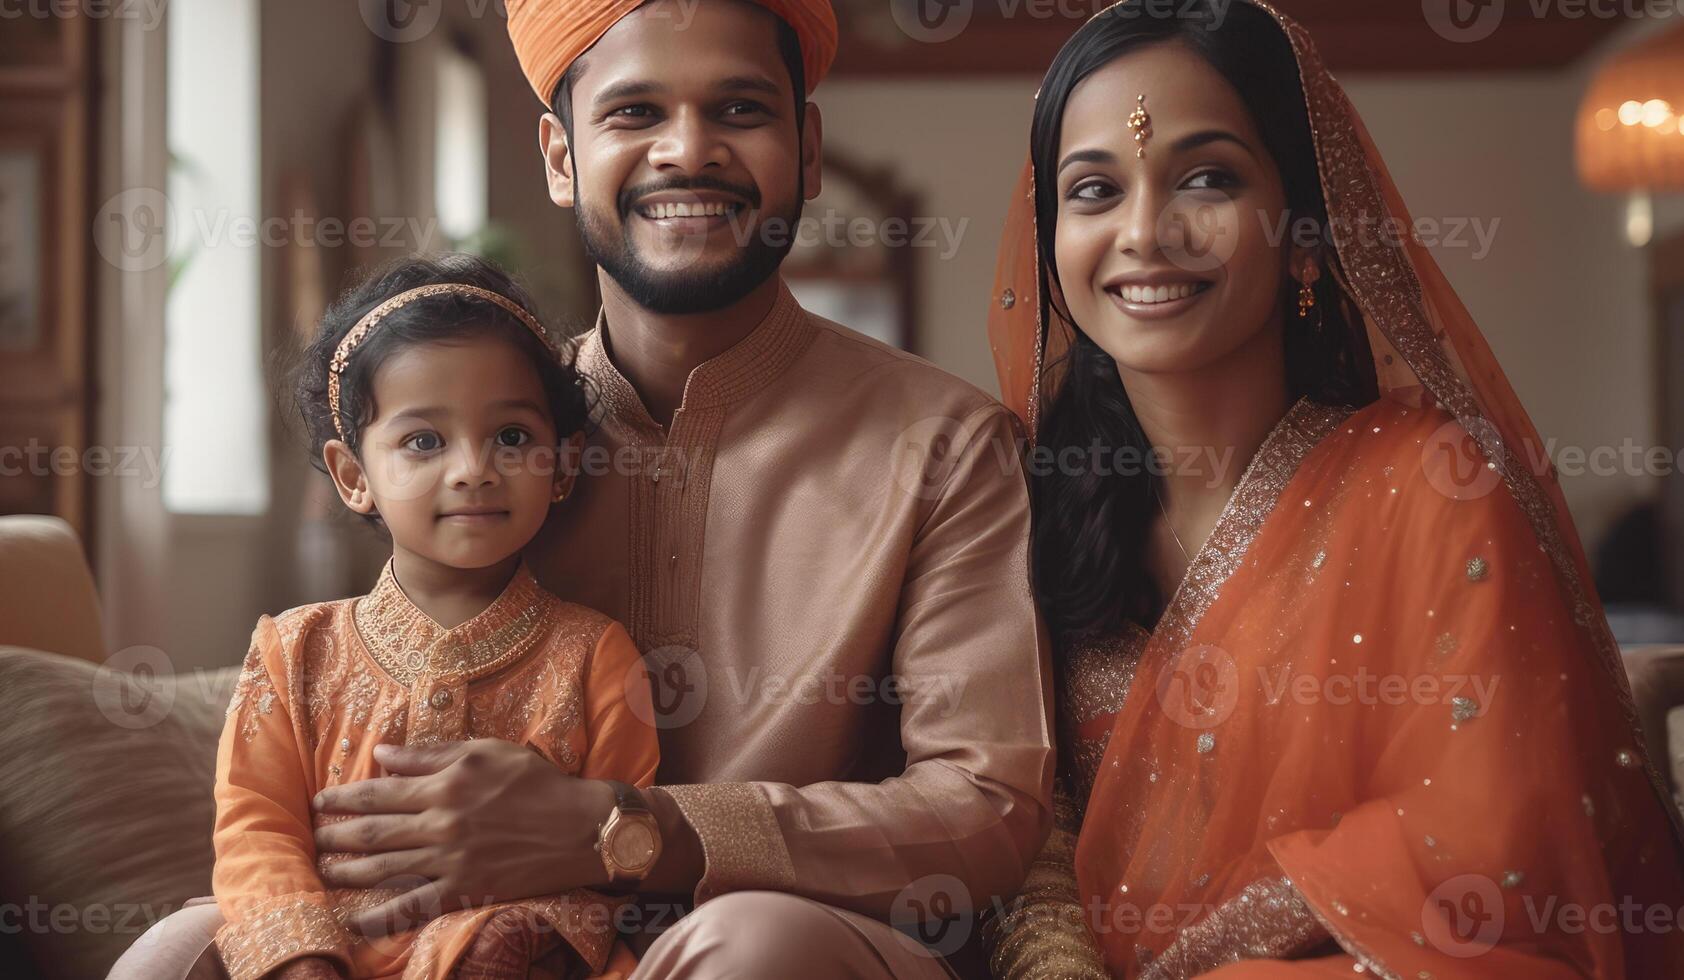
[{"x": 825, "y": 562}]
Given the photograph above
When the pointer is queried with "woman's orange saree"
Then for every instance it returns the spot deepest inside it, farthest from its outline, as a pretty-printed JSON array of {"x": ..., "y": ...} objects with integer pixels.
[{"x": 1382, "y": 726}]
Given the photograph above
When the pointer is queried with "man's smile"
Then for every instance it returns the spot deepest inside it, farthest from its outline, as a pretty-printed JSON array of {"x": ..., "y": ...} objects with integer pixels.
[{"x": 687, "y": 212}]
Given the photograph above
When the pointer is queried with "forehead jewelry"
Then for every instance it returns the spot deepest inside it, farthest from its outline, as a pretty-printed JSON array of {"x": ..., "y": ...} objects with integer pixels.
[
  {"x": 370, "y": 320},
  {"x": 1141, "y": 122}
]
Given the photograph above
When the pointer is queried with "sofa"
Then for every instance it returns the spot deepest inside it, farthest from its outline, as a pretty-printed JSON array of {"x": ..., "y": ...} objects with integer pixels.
[
  {"x": 106, "y": 764},
  {"x": 105, "y": 774}
]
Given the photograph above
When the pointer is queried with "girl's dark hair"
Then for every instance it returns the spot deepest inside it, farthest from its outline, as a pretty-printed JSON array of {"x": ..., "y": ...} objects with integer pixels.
[
  {"x": 1090, "y": 528},
  {"x": 430, "y": 319}
]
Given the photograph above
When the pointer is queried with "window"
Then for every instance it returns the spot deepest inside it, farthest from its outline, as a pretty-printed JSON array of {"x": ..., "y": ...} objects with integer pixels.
[
  {"x": 461, "y": 147},
  {"x": 215, "y": 431}
]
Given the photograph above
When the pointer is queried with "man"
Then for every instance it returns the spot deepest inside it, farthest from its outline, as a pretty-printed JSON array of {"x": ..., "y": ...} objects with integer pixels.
[{"x": 819, "y": 543}]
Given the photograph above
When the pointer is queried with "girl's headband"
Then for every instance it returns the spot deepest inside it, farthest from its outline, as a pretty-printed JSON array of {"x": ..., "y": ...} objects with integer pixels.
[{"x": 371, "y": 319}]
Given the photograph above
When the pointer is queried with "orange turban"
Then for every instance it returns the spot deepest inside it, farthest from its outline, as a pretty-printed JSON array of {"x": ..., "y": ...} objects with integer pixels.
[{"x": 550, "y": 34}]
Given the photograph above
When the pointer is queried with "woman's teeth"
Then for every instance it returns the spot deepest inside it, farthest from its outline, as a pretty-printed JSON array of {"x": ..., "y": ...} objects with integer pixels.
[
  {"x": 1148, "y": 295},
  {"x": 677, "y": 210}
]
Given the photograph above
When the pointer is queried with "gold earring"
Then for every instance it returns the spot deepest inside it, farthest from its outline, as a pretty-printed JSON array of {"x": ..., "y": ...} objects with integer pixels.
[
  {"x": 1307, "y": 290},
  {"x": 1140, "y": 121},
  {"x": 560, "y": 494}
]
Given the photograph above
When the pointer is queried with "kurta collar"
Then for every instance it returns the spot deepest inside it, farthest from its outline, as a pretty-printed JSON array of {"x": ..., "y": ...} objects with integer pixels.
[
  {"x": 409, "y": 644},
  {"x": 750, "y": 365}
]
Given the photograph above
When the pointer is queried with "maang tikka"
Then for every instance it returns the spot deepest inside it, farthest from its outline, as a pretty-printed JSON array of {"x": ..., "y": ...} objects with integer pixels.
[{"x": 1141, "y": 122}]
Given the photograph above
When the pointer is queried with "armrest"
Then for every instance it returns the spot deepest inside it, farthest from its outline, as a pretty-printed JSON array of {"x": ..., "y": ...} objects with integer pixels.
[{"x": 47, "y": 595}]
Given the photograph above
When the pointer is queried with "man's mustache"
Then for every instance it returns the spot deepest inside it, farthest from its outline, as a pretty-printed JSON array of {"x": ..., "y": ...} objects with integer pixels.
[{"x": 631, "y": 195}]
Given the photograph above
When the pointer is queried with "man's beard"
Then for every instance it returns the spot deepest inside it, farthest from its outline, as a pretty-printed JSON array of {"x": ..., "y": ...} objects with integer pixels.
[{"x": 701, "y": 290}]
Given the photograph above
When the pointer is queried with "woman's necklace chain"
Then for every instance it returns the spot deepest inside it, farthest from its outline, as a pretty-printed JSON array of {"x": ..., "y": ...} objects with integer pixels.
[{"x": 1185, "y": 557}]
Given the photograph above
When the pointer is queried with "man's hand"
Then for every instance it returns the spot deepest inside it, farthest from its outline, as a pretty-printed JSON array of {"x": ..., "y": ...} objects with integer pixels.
[{"x": 461, "y": 824}]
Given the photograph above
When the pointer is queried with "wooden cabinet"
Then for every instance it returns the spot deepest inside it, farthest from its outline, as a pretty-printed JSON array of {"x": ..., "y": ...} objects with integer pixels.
[{"x": 45, "y": 250}]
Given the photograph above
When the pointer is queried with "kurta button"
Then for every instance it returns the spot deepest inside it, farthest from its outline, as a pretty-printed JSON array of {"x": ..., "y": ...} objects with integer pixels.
[{"x": 441, "y": 699}]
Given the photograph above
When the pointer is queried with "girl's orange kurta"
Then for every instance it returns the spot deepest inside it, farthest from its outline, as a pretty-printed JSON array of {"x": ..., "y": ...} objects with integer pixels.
[{"x": 324, "y": 684}]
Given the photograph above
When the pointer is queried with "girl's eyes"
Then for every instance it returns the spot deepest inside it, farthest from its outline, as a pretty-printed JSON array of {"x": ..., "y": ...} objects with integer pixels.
[
  {"x": 426, "y": 442},
  {"x": 423, "y": 442}
]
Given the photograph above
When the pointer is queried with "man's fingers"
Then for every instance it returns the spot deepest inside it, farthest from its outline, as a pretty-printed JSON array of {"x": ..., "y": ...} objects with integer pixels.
[
  {"x": 374, "y": 833},
  {"x": 385, "y": 794},
  {"x": 381, "y": 870},
  {"x": 418, "y": 760}
]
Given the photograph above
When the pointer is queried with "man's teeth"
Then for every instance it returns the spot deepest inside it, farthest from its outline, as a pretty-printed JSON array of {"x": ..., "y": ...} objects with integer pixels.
[
  {"x": 1158, "y": 294},
  {"x": 677, "y": 210}
]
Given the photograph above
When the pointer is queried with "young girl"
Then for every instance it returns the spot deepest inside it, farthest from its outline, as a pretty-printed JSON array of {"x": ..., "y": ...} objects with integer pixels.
[{"x": 443, "y": 411}]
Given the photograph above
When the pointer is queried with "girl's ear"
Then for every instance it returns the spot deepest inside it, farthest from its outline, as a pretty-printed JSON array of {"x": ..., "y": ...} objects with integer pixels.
[
  {"x": 567, "y": 472},
  {"x": 348, "y": 476}
]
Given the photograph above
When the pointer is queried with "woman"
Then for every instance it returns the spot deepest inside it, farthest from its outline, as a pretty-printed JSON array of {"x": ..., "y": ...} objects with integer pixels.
[{"x": 1337, "y": 695}]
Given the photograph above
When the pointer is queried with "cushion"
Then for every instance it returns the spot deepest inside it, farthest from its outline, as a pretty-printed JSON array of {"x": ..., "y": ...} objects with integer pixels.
[{"x": 106, "y": 801}]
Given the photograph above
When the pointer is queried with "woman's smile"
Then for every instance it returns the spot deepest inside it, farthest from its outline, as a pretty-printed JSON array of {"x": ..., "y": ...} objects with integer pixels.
[{"x": 1156, "y": 300}]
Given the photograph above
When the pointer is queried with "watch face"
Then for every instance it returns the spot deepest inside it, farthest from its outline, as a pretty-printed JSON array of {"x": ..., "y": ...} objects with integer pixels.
[{"x": 632, "y": 845}]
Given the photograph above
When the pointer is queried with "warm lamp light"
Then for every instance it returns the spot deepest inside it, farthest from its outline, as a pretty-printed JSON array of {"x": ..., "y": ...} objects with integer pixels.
[{"x": 1631, "y": 128}]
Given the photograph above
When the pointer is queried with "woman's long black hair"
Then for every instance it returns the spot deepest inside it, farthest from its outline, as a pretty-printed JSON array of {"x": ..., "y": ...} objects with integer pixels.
[{"x": 1090, "y": 527}]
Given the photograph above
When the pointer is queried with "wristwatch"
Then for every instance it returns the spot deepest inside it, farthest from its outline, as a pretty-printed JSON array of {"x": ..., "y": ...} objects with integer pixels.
[{"x": 630, "y": 839}]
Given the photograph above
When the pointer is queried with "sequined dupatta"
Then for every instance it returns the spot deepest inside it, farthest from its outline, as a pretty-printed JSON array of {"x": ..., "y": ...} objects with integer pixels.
[{"x": 1386, "y": 707}]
